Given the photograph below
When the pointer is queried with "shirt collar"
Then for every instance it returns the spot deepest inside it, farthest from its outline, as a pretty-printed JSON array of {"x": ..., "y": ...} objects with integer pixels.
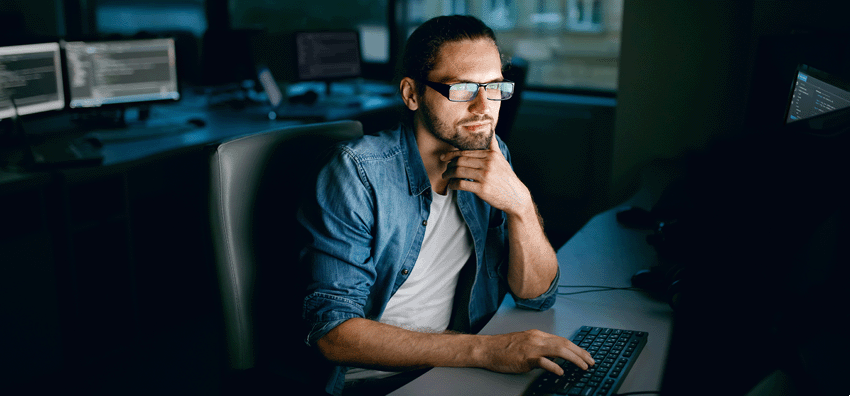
[{"x": 417, "y": 177}]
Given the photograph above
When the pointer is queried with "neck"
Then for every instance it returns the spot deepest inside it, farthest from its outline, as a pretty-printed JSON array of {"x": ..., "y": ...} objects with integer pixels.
[{"x": 430, "y": 149}]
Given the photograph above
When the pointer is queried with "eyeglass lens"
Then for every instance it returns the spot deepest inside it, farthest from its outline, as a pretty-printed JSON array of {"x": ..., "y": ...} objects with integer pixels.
[{"x": 467, "y": 91}]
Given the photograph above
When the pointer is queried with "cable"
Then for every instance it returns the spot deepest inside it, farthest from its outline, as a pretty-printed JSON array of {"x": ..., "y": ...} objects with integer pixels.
[{"x": 597, "y": 289}]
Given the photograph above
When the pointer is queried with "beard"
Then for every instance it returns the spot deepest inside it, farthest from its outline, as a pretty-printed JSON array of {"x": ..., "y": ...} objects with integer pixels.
[{"x": 454, "y": 135}]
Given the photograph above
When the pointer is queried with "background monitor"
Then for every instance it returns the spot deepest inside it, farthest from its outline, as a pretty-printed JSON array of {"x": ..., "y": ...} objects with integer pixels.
[
  {"x": 31, "y": 75},
  {"x": 121, "y": 72},
  {"x": 328, "y": 55},
  {"x": 814, "y": 93}
]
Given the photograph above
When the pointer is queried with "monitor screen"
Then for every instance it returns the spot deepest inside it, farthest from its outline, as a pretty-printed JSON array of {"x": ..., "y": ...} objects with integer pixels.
[
  {"x": 327, "y": 55},
  {"x": 814, "y": 93},
  {"x": 31, "y": 76},
  {"x": 120, "y": 72}
]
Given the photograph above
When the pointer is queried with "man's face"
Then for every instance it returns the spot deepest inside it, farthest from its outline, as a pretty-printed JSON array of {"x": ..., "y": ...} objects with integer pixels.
[{"x": 464, "y": 125}]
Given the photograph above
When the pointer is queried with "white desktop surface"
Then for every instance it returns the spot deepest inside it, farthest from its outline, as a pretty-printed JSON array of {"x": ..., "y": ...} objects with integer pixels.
[{"x": 602, "y": 253}]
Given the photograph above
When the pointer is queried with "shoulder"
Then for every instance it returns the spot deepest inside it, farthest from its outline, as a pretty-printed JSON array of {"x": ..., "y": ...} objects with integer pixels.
[
  {"x": 382, "y": 145},
  {"x": 358, "y": 158}
]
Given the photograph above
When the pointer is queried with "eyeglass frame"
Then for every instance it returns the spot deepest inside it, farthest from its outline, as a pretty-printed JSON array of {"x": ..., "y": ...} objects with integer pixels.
[{"x": 444, "y": 89}]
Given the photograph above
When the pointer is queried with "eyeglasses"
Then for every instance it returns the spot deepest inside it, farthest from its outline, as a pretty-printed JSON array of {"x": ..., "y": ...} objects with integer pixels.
[{"x": 466, "y": 91}]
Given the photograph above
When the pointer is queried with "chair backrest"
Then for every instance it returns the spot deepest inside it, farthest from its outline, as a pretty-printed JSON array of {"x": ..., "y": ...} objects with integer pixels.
[{"x": 256, "y": 184}]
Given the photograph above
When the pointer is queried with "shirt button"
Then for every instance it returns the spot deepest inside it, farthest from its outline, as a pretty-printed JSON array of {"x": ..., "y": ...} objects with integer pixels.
[
  {"x": 405, "y": 271},
  {"x": 424, "y": 223}
]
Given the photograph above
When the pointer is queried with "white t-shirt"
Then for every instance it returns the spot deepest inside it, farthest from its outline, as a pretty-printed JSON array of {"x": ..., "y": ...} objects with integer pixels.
[{"x": 424, "y": 301}]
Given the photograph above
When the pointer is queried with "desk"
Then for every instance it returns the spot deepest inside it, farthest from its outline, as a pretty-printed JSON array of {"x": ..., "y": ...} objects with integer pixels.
[
  {"x": 224, "y": 121},
  {"x": 601, "y": 253}
]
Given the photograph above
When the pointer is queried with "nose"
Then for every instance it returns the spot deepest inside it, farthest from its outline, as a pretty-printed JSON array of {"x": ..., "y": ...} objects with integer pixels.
[{"x": 479, "y": 104}]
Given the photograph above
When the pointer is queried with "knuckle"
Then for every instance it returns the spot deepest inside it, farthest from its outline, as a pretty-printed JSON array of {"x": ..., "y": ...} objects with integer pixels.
[{"x": 536, "y": 331}]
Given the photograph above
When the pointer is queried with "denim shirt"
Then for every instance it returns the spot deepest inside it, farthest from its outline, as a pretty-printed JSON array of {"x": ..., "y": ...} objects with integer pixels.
[{"x": 368, "y": 220}]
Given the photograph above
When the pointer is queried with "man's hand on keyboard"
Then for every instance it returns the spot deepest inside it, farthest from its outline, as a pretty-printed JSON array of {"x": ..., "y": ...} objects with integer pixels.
[{"x": 523, "y": 351}]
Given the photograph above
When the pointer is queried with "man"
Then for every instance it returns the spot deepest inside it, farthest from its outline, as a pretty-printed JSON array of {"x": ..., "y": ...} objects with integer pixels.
[{"x": 423, "y": 229}]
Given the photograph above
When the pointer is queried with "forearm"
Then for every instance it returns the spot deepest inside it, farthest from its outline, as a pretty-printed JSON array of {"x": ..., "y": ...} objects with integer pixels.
[
  {"x": 532, "y": 263},
  {"x": 366, "y": 343}
]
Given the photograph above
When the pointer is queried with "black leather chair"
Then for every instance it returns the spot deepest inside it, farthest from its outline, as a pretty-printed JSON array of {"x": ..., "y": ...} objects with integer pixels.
[{"x": 256, "y": 184}]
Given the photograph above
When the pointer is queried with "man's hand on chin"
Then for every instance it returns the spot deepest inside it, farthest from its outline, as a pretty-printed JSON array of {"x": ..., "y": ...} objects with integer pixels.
[{"x": 487, "y": 174}]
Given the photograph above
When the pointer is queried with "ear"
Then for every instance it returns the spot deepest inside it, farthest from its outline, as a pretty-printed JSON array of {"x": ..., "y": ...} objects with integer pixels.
[{"x": 408, "y": 93}]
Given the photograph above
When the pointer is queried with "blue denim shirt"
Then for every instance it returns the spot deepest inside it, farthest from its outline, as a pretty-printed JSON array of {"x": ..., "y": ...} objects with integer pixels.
[{"x": 367, "y": 223}]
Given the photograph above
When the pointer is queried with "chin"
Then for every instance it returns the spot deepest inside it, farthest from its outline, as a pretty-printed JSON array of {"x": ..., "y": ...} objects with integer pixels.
[{"x": 478, "y": 141}]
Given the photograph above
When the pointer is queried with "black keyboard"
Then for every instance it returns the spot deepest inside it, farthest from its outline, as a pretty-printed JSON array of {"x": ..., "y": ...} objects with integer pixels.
[
  {"x": 613, "y": 350},
  {"x": 58, "y": 154},
  {"x": 143, "y": 132}
]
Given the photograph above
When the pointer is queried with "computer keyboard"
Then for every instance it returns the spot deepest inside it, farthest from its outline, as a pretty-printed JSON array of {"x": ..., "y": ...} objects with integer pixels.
[
  {"x": 614, "y": 351},
  {"x": 58, "y": 154},
  {"x": 143, "y": 132}
]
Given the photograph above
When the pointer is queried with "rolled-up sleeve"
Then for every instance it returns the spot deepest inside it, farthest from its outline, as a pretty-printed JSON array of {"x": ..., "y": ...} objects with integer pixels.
[
  {"x": 545, "y": 300},
  {"x": 340, "y": 219}
]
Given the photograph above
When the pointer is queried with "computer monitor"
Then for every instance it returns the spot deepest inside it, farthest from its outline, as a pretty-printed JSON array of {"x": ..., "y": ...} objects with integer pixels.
[
  {"x": 102, "y": 73},
  {"x": 327, "y": 55},
  {"x": 815, "y": 93},
  {"x": 30, "y": 79}
]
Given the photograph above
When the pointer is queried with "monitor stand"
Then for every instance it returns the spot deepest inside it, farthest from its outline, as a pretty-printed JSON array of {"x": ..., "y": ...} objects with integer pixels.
[{"x": 341, "y": 99}]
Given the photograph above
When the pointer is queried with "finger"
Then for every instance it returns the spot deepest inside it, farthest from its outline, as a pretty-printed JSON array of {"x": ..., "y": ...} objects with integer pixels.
[
  {"x": 583, "y": 354},
  {"x": 450, "y": 155},
  {"x": 464, "y": 154},
  {"x": 576, "y": 360},
  {"x": 445, "y": 157},
  {"x": 462, "y": 172},
  {"x": 468, "y": 162},
  {"x": 579, "y": 357},
  {"x": 464, "y": 185},
  {"x": 548, "y": 365}
]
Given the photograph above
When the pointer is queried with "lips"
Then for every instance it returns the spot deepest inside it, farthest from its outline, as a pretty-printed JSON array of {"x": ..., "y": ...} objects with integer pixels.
[{"x": 473, "y": 127}]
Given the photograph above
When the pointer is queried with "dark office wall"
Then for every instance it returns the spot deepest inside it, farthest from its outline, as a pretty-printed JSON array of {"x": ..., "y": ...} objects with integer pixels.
[
  {"x": 561, "y": 149},
  {"x": 777, "y": 17},
  {"x": 686, "y": 73},
  {"x": 684, "y": 70},
  {"x": 26, "y": 21}
]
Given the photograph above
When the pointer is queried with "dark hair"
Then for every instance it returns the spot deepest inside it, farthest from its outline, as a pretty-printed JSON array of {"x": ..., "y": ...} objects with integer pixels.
[{"x": 423, "y": 45}]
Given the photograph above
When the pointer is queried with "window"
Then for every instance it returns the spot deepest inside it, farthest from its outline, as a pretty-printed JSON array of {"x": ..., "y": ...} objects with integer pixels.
[
  {"x": 568, "y": 44},
  {"x": 368, "y": 17},
  {"x": 128, "y": 17}
]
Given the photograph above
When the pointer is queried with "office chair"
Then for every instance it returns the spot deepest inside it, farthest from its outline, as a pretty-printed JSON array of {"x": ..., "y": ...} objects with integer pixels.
[{"x": 256, "y": 184}]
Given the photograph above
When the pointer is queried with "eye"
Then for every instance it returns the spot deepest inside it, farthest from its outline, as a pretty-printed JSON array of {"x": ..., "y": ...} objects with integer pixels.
[
  {"x": 500, "y": 90},
  {"x": 462, "y": 91},
  {"x": 464, "y": 87}
]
